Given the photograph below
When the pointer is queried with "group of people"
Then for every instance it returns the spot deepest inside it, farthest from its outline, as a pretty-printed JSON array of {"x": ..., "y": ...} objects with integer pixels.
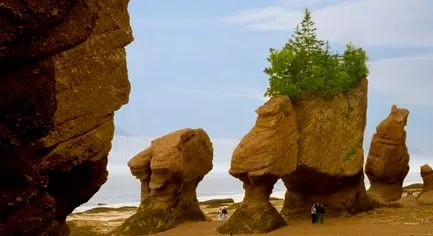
[
  {"x": 317, "y": 213},
  {"x": 222, "y": 214}
]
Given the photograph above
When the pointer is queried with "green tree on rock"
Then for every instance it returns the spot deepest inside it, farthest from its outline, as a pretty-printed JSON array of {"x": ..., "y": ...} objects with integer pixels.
[{"x": 306, "y": 66}]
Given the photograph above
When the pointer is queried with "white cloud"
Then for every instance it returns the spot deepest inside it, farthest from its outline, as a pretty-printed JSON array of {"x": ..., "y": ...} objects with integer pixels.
[
  {"x": 364, "y": 22},
  {"x": 125, "y": 147},
  {"x": 408, "y": 80}
]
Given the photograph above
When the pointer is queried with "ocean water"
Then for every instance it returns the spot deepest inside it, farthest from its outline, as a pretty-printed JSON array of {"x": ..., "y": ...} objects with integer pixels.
[{"x": 123, "y": 189}]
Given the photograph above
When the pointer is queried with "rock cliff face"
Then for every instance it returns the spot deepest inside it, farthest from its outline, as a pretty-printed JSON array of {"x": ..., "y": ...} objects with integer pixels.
[
  {"x": 169, "y": 171},
  {"x": 388, "y": 160},
  {"x": 330, "y": 154},
  {"x": 426, "y": 197},
  {"x": 268, "y": 152},
  {"x": 63, "y": 74}
]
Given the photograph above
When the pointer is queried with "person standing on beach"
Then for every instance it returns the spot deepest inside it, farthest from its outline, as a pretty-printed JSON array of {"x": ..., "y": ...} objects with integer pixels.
[
  {"x": 313, "y": 214},
  {"x": 224, "y": 213},
  {"x": 320, "y": 211},
  {"x": 219, "y": 218}
]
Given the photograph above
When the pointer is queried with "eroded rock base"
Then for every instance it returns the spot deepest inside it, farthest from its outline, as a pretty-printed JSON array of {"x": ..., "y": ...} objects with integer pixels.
[
  {"x": 381, "y": 193},
  {"x": 253, "y": 220},
  {"x": 152, "y": 217},
  {"x": 256, "y": 214},
  {"x": 339, "y": 194}
]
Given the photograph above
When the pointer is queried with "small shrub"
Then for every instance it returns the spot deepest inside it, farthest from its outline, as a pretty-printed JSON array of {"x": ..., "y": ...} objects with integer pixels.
[{"x": 349, "y": 154}]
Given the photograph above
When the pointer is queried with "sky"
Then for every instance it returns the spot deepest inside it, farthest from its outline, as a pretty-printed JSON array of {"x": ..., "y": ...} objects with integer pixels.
[{"x": 199, "y": 64}]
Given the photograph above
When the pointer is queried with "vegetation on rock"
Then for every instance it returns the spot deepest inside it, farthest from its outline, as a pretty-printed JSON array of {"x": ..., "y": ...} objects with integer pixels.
[
  {"x": 349, "y": 154},
  {"x": 305, "y": 66}
]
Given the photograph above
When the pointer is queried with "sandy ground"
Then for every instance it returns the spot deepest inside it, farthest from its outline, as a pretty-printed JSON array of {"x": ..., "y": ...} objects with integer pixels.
[
  {"x": 407, "y": 219},
  {"x": 333, "y": 227}
]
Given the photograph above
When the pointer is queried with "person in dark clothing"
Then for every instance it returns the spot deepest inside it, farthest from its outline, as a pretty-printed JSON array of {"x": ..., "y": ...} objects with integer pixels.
[
  {"x": 321, "y": 213},
  {"x": 314, "y": 213},
  {"x": 224, "y": 214}
]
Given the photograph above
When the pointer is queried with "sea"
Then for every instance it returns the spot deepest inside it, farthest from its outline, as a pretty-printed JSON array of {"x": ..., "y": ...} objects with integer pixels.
[{"x": 123, "y": 189}]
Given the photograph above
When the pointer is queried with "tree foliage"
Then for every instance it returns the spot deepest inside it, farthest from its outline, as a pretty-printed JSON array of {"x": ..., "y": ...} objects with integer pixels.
[{"x": 306, "y": 66}]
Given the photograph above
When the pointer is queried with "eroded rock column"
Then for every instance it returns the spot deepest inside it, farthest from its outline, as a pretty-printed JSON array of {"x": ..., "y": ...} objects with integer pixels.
[
  {"x": 330, "y": 154},
  {"x": 388, "y": 160},
  {"x": 268, "y": 152},
  {"x": 169, "y": 171},
  {"x": 426, "y": 196}
]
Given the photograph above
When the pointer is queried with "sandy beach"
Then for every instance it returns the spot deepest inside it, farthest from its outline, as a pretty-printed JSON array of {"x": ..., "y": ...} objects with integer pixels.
[{"x": 403, "y": 218}]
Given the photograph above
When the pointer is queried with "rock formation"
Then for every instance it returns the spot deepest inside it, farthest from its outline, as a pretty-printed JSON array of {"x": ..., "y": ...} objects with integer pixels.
[
  {"x": 268, "y": 152},
  {"x": 426, "y": 196},
  {"x": 63, "y": 74},
  {"x": 427, "y": 178},
  {"x": 169, "y": 171},
  {"x": 388, "y": 160},
  {"x": 330, "y": 154}
]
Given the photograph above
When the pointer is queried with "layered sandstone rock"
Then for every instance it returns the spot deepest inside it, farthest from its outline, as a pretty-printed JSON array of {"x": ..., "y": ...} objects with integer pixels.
[
  {"x": 268, "y": 152},
  {"x": 388, "y": 160},
  {"x": 330, "y": 154},
  {"x": 63, "y": 75},
  {"x": 169, "y": 171},
  {"x": 426, "y": 196}
]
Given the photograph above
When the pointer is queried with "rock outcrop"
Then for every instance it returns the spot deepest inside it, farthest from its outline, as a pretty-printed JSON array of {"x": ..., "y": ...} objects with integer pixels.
[
  {"x": 169, "y": 171},
  {"x": 427, "y": 178},
  {"x": 268, "y": 152},
  {"x": 63, "y": 74},
  {"x": 388, "y": 160},
  {"x": 426, "y": 196},
  {"x": 330, "y": 154}
]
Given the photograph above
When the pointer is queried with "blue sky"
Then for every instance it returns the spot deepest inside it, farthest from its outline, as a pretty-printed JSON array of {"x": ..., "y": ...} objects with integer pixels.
[{"x": 200, "y": 64}]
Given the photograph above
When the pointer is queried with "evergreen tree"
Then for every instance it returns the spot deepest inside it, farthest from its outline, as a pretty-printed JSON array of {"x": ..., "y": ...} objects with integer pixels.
[{"x": 305, "y": 65}]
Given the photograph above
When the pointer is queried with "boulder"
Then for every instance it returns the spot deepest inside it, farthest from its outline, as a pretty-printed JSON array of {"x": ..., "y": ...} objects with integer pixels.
[
  {"x": 426, "y": 196},
  {"x": 388, "y": 160},
  {"x": 63, "y": 75},
  {"x": 169, "y": 171},
  {"x": 330, "y": 154},
  {"x": 268, "y": 152}
]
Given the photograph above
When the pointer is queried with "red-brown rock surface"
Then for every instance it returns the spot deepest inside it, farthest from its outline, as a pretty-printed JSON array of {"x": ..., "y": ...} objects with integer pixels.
[
  {"x": 388, "y": 160},
  {"x": 426, "y": 196},
  {"x": 63, "y": 74},
  {"x": 330, "y": 154},
  {"x": 169, "y": 171},
  {"x": 268, "y": 152},
  {"x": 427, "y": 178}
]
